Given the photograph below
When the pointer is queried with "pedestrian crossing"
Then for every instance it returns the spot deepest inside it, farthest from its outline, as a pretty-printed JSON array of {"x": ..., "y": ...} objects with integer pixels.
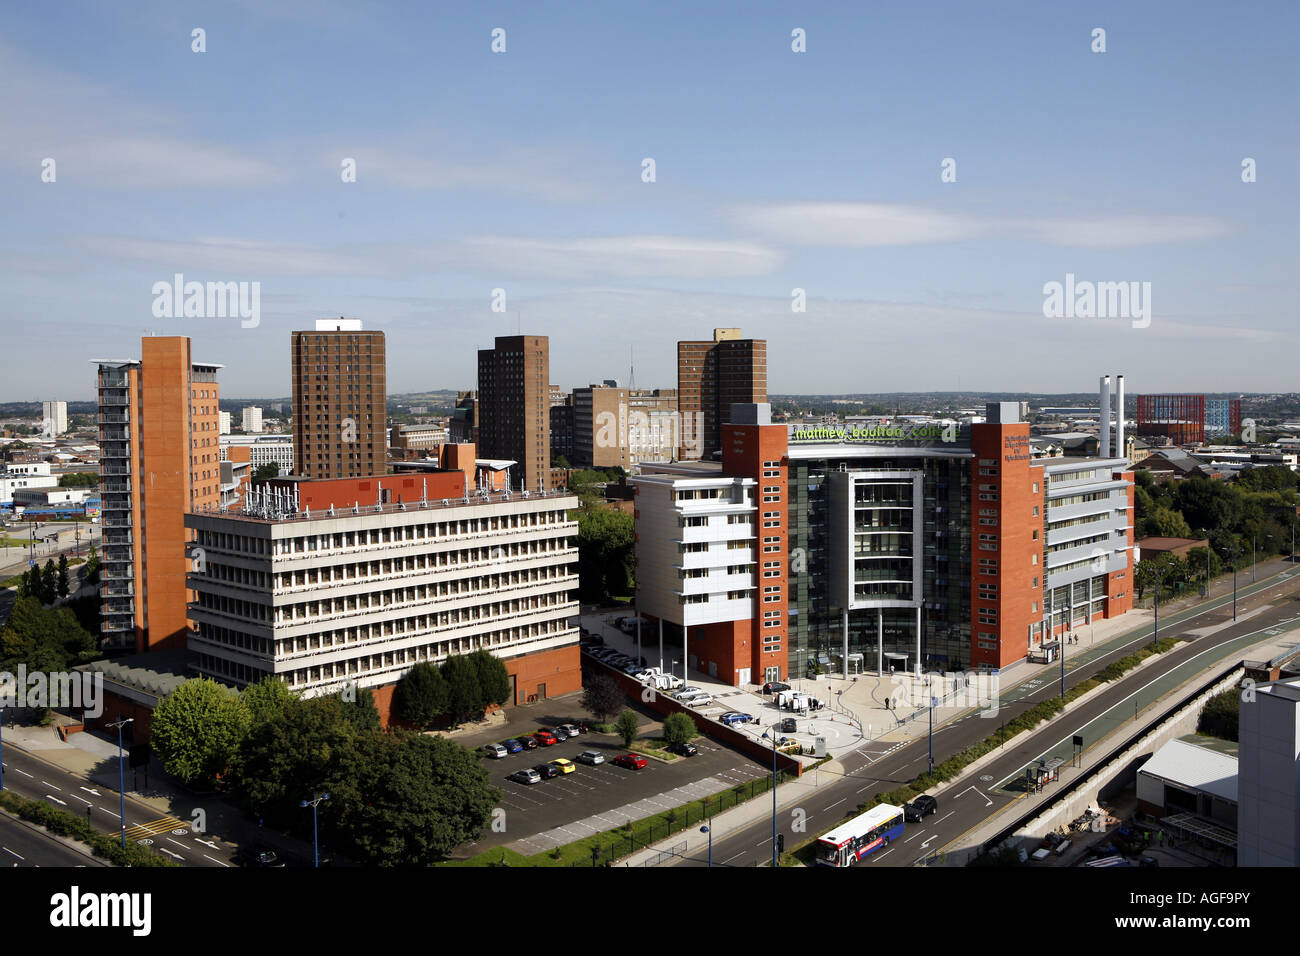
[{"x": 156, "y": 827}]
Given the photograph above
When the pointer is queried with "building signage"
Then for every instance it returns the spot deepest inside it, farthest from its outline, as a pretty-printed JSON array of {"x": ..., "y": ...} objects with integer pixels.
[
  {"x": 1017, "y": 448},
  {"x": 920, "y": 434}
]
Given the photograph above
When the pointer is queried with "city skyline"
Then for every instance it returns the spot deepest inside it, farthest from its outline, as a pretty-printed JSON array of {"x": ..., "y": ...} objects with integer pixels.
[{"x": 525, "y": 174}]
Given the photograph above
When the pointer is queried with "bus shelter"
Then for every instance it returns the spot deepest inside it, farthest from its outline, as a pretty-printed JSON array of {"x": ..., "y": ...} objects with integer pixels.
[{"x": 1042, "y": 772}]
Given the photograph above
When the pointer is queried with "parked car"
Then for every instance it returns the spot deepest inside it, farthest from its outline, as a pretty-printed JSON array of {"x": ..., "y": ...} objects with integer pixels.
[
  {"x": 920, "y": 808},
  {"x": 684, "y": 750},
  {"x": 530, "y": 743},
  {"x": 772, "y": 686},
  {"x": 527, "y": 775},
  {"x": 565, "y": 766},
  {"x": 789, "y": 725},
  {"x": 545, "y": 738},
  {"x": 547, "y": 770},
  {"x": 570, "y": 730},
  {"x": 591, "y": 757},
  {"x": 559, "y": 733},
  {"x": 631, "y": 761},
  {"x": 668, "y": 682},
  {"x": 513, "y": 745},
  {"x": 736, "y": 717},
  {"x": 688, "y": 692},
  {"x": 791, "y": 747},
  {"x": 495, "y": 750},
  {"x": 699, "y": 700}
]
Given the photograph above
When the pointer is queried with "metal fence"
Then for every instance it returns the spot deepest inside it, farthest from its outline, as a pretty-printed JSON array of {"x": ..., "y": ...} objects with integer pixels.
[{"x": 644, "y": 833}]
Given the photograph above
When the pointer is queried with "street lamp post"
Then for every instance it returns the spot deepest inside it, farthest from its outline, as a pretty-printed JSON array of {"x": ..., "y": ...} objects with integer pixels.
[
  {"x": 315, "y": 833},
  {"x": 708, "y": 828},
  {"x": 2, "y": 749},
  {"x": 121, "y": 774},
  {"x": 1235, "y": 555}
]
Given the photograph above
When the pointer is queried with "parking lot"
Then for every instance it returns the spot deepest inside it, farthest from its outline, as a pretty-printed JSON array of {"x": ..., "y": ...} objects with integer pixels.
[{"x": 590, "y": 800}]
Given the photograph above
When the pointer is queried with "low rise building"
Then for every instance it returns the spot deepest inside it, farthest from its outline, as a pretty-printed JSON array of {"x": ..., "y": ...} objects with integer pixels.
[{"x": 353, "y": 581}]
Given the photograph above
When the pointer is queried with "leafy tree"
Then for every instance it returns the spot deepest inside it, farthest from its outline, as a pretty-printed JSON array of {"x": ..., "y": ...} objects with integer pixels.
[
  {"x": 310, "y": 749},
  {"x": 1209, "y": 504},
  {"x": 49, "y": 583},
  {"x": 25, "y": 588},
  {"x": 421, "y": 695},
  {"x": 678, "y": 728},
  {"x": 1221, "y": 715},
  {"x": 267, "y": 700},
  {"x": 62, "y": 585},
  {"x": 45, "y": 639},
  {"x": 92, "y": 566},
  {"x": 602, "y": 697},
  {"x": 361, "y": 711},
  {"x": 605, "y": 553},
  {"x": 626, "y": 727},
  {"x": 422, "y": 797},
  {"x": 1166, "y": 523},
  {"x": 493, "y": 678},
  {"x": 269, "y": 470},
  {"x": 198, "y": 729},
  {"x": 559, "y": 461},
  {"x": 78, "y": 479},
  {"x": 464, "y": 695}
]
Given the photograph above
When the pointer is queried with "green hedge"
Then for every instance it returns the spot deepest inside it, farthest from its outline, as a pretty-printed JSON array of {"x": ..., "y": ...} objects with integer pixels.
[{"x": 69, "y": 825}]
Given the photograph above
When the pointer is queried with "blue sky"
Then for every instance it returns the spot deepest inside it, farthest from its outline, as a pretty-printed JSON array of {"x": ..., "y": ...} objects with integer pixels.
[{"x": 774, "y": 171}]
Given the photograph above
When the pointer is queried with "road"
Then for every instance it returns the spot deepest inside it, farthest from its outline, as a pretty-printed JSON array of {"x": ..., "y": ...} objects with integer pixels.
[
  {"x": 31, "y": 777},
  {"x": 972, "y": 799},
  {"x": 24, "y": 844}
]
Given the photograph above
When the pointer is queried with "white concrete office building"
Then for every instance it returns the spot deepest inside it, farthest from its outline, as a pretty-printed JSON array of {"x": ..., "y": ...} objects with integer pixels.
[
  {"x": 263, "y": 450},
  {"x": 54, "y": 418},
  {"x": 252, "y": 420},
  {"x": 322, "y": 599}
]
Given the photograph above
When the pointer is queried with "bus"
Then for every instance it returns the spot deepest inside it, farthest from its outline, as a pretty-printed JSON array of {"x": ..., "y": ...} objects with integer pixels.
[{"x": 850, "y": 842}]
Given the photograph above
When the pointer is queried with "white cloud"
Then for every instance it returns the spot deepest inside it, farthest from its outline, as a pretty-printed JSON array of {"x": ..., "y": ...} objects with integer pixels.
[
  {"x": 606, "y": 257},
  {"x": 861, "y": 224},
  {"x": 613, "y": 257}
]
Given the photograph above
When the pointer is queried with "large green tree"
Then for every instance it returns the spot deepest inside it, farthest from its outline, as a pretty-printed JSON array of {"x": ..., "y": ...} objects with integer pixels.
[
  {"x": 198, "y": 730},
  {"x": 45, "y": 639},
  {"x": 310, "y": 749},
  {"x": 268, "y": 699},
  {"x": 62, "y": 585},
  {"x": 422, "y": 797},
  {"x": 605, "y": 553},
  {"x": 464, "y": 695},
  {"x": 678, "y": 728},
  {"x": 626, "y": 727},
  {"x": 493, "y": 678},
  {"x": 421, "y": 695}
]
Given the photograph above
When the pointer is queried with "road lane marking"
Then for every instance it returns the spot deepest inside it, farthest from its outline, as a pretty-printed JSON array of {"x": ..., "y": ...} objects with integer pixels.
[
  {"x": 56, "y": 800},
  {"x": 834, "y": 805},
  {"x": 52, "y": 786},
  {"x": 216, "y": 861},
  {"x": 737, "y": 856},
  {"x": 7, "y": 850}
]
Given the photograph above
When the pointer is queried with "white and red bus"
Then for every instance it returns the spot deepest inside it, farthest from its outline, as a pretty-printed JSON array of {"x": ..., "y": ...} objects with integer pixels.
[{"x": 850, "y": 842}]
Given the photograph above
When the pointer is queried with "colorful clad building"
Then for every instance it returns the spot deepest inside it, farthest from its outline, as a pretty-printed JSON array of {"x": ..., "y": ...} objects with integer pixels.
[{"x": 900, "y": 546}]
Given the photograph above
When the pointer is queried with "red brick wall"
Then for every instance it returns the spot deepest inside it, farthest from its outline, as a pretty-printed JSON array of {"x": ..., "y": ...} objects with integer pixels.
[
  {"x": 344, "y": 492},
  {"x": 744, "y": 450},
  {"x": 1019, "y": 541}
]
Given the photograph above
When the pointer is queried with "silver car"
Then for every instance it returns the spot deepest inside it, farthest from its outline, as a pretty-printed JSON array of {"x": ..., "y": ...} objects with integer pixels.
[{"x": 592, "y": 757}]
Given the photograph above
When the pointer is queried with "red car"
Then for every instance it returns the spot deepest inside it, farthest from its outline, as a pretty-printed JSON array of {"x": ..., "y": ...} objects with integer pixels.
[
  {"x": 631, "y": 761},
  {"x": 545, "y": 738}
]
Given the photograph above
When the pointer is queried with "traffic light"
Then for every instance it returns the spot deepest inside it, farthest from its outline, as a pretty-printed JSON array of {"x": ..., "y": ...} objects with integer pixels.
[{"x": 780, "y": 843}]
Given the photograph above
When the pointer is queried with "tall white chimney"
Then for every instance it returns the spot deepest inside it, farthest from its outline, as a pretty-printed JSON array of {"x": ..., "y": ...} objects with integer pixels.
[
  {"x": 1119, "y": 417},
  {"x": 1103, "y": 419}
]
